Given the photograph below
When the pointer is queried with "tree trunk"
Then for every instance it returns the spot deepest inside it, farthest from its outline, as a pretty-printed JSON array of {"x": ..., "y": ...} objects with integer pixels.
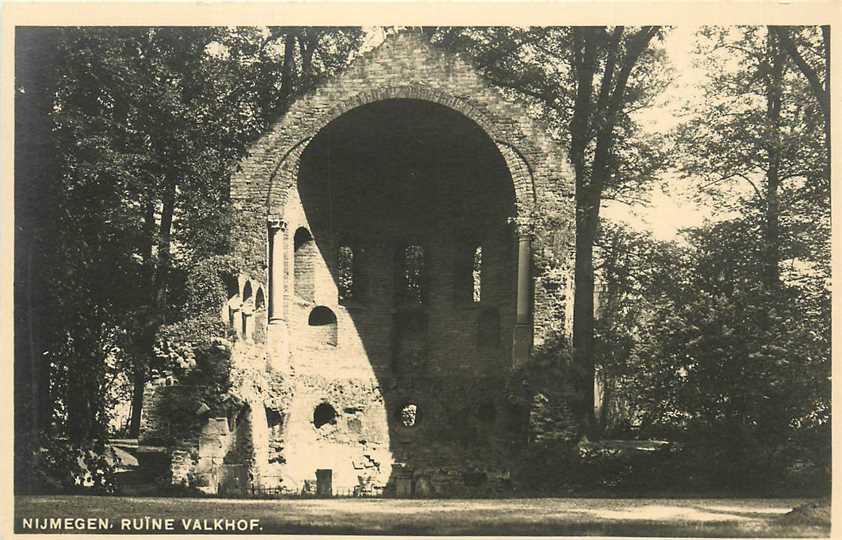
[
  {"x": 583, "y": 316},
  {"x": 590, "y": 184},
  {"x": 819, "y": 88},
  {"x": 162, "y": 270},
  {"x": 288, "y": 65},
  {"x": 826, "y": 97},
  {"x": 35, "y": 169},
  {"x": 771, "y": 251},
  {"x": 307, "y": 44},
  {"x": 584, "y": 66},
  {"x": 144, "y": 320},
  {"x": 158, "y": 301}
]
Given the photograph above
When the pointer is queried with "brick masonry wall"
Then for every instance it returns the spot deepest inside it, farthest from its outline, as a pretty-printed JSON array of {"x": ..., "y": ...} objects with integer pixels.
[
  {"x": 509, "y": 179},
  {"x": 407, "y": 67}
]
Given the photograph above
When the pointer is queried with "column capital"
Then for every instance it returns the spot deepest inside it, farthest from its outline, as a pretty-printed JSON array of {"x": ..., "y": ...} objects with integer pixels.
[
  {"x": 276, "y": 223},
  {"x": 522, "y": 227}
]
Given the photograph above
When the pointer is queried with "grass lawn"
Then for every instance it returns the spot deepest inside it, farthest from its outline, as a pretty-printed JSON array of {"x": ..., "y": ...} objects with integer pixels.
[{"x": 626, "y": 517}]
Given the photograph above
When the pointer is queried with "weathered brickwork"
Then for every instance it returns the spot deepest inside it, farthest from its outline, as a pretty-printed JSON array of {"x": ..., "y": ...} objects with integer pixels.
[
  {"x": 404, "y": 67},
  {"x": 442, "y": 195}
]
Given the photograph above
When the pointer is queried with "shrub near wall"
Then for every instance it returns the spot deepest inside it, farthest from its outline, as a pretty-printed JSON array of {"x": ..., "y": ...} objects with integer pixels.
[
  {"x": 195, "y": 355},
  {"x": 63, "y": 467}
]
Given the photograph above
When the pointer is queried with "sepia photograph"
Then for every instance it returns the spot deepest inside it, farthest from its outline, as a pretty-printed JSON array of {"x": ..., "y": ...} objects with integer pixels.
[{"x": 491, "y": 279}]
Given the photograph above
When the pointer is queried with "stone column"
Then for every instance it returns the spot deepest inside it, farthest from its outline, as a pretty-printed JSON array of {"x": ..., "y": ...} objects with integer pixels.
[
  {"x": 277, "y": 233},
  {"x": 235, "y": 318},
  {"x": 277, "y": 332},
  {"x": 522, "y": 338},
  {"x": 258, "y": 436},
  {"x": 248, "y": 321}
]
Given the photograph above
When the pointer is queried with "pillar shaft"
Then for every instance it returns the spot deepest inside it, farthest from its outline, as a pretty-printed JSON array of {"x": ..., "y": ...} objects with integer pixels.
[
  {"x": 277, "y": 229},
  {"x": 523, "y": 279},
  {"x": 522, "y": 338},
  {"x": 277, "y": 333}
]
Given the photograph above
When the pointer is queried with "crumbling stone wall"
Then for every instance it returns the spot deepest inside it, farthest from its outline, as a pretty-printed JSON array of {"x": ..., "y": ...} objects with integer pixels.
[{"x": 395, "y": 396}]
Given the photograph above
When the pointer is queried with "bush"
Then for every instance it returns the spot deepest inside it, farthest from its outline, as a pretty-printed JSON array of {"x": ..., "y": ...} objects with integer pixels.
[{"x": 65, "y": 467}]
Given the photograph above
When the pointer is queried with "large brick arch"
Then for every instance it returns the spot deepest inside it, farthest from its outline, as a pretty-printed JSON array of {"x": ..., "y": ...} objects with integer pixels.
[
  {"x": 288, "y": 167},
  {"x": 403, "y": 67}
]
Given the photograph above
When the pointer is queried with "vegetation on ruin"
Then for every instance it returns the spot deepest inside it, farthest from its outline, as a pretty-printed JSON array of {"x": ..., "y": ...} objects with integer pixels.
[{"x": 718, "y": 342}]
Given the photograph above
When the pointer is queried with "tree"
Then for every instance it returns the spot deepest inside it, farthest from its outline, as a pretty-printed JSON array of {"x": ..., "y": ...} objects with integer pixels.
[
  {"x": 150, "y": 123},
  {"x": 809, "y": 49},
  {"x": 739, "y": 372},
  {"x": 755, "y": 127},
  {"x": 587, "y": 82},
  {"x": 738, "y": 356},
  {"x": 593, "y": 125},
  {"x": 35, "y": 60},
  {"x": 632, "y": 271}
]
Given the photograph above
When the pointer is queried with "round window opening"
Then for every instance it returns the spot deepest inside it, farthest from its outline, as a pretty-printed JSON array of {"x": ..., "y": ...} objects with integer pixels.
[
  {"x": 408, "y": 415},
  {"x": 323, "y": 414}
]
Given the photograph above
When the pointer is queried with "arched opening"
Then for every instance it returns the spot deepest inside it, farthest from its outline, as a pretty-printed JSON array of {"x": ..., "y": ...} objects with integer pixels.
[
  {"x": 476, "y": 274},
  {"x": 260, "y": 299},
  {"x": 418, "y": 185},
  {"x": 247, "y": 312},
  {"x": 324, "y": 414},
  {"x": 407, "y": 414},
  {"x": 232, "y": 288},
  {"x": 304, "y": 262},
  {"x": 322, "y": 322}
]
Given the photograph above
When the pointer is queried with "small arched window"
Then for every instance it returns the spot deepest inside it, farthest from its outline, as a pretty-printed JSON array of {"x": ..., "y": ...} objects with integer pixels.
[
  {"x": 232, "y": 288},
  {"x": 304, "y": 259},
  {"x": 259, "y": 299},
  {"x": 247, "y": 311},
  {"x": 345, "y": 273},
  {"x": 408, "y": 414},
  {"x": 476, "y": 274},
  {"x": 324, "y": 414},
  {"x": 323, "y": 323},
  {"x": 411, "y": 274}
]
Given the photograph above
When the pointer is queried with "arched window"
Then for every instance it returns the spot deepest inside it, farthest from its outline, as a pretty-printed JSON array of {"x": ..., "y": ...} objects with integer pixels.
[
  {"x": 345, "y": 273},
  {"x": 411, "y": 274},
  {"x": 468, "y": 273},
  {"x": 476, "y": 274},
  {"x": 247, "y": 312},
  {"x": 232, "y": 288},
  {"x": 304, "y": 258},
  {"x": 324, "y": 414},
  {"x": 259, "y": 299},
  {"x": 407, "y": 414},
  {"x": 323, "y": 323}
]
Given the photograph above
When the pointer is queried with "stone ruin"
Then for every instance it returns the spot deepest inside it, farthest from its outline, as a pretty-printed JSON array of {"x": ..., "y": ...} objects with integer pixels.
[{"x": 389, "y": 227}]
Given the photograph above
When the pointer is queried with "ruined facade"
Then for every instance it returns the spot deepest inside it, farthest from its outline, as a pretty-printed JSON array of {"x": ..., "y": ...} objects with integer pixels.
[{"x": 388, "y": 228}]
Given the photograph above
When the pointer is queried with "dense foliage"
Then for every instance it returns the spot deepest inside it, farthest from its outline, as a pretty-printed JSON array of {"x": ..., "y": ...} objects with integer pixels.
[
  {"x": 718, "y": 342},
  {"x": 149, "y": 124},
  {"x": 586, "y": 82},
  {"x": 722, "y": 340}
]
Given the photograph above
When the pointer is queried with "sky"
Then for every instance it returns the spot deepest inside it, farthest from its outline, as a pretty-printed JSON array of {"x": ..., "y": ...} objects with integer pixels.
[{"x": 671, "y": 207}]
